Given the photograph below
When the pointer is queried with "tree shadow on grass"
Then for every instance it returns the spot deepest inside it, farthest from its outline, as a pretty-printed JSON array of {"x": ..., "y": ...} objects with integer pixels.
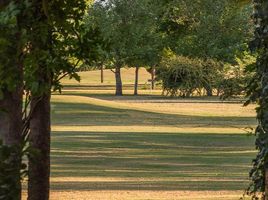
[
  {"x": 79, "y": 114},
  {"x": 153, "y": 161},
  {"x": 149, "y": 98},
  {"x": 151, "y": 185}
]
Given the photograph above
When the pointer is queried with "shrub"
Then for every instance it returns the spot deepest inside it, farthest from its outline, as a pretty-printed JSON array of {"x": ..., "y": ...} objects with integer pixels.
[{"x": 183, "y": 76}]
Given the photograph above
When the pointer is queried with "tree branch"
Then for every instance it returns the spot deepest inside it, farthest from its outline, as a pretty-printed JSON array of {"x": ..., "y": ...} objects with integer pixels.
[{"x": 67, "y": 73}]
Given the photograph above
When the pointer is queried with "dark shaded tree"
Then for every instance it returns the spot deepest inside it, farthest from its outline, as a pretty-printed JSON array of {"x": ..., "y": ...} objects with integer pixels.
[{"x": 258, "y": 93}]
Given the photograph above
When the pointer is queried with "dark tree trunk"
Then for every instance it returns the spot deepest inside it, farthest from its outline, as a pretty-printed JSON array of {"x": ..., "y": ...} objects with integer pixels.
[
  {"x": 11, "y": 114},
  {"x": 11, "y": 117},
  {"x": 11, "y": 128},
  {"x": 39, "y": 166},
  {"x": 4, "y": 3},
  {"x": 39, "y": 139},
  {"x": 153, "y": 78},
  {"x": 102, "y": 78},
  {"x": 118, "y": 81},
  {"x": 11, "y": 102},
  {"x": 136, "y": 81},
  {"x": 209, "y": 91},
  {"x": 4, "y": 118},
  {"x": 10, "y": 133}
]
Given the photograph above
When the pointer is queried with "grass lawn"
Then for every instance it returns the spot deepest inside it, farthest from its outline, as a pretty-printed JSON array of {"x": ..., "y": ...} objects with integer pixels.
[{"x": 147, "y": 147}]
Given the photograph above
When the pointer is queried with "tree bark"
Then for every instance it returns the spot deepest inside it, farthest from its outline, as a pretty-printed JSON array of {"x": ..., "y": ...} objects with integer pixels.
[
  {"x": 153, "y": 78},
  {"x": 11, "y": 113},
  {"x": 39, "y": 138},
  {"x": 3, "y": 3},
  {"x": 10, "y": 133},
  {"x": 11, "y": 102},
  {"x": 11, "y": 127},
  {"x": 118, "y": 81},
  {"x": 4, "y": 122},
  {"x": 136, "y": 81},
  {"x": 39, "y": 166},
  {"x": 209, "y": 91},
  {"x": 11, "y": 117},
  {"x": 102, "y": 79}
]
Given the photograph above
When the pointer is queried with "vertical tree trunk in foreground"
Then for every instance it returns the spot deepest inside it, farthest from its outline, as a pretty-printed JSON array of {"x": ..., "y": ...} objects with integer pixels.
[
  {"x": 259, "y": 94},
  {"x": 136, "y": 81},
  {"x": 39, "y": 166},
  {"x": 10, "y": 133},
  {"x": 11, "y": 110},
  {"x": 39, "y": 139},
  {"x": 118, "y": 81},
  {"x": 11, "y": 117}
]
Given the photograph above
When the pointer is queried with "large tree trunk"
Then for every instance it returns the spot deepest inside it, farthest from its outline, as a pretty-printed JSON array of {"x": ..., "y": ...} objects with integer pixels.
[
  {"x": 136, "y": 81},
  {"x": 39, "y": 166},
  {"x": 11, "y": 117},
  {"x": 39, "y": 139},
  {"x": 102, "y": 78},
  {"x": 4, "y": 118},
  {"x": 11, "y": 114},
  {"x": 11, "y": 100},
  {"x": 10, "y": 133},
  {"x": 11, "y": 127},
  {"x": 118, "y": 91}
]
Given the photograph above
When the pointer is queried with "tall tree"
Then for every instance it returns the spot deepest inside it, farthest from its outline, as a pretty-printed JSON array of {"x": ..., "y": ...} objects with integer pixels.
[
  {"x": 11, "y": 91},
  {"x": 258, "y": 93},
  {"x": 129, "y": 28},
  {"x": 54, "y": 42},
  {"x": 209, "y": 29},
  {"x": 216, "y": 29}
]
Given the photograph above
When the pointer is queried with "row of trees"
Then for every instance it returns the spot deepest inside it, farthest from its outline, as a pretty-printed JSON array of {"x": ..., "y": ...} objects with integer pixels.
[{"x": 138, "y": 33}]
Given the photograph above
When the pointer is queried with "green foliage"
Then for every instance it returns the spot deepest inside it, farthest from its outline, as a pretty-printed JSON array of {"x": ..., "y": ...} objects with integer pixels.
[
  {"x": 9, "y": 47},
  {"x": 55, "y": 49},
  {"x": 184, "y": 76},
  {"x": 129, "y": 29},
  {"x": 215, "y": 29},
  {"x": 257, "y": 91},
  {"x": 232, "y": 84},
  {"x": 41, "y": 40}
]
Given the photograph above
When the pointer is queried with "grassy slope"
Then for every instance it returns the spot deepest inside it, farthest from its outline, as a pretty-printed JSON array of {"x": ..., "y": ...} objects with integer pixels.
[{"x": 147, "y": 147}]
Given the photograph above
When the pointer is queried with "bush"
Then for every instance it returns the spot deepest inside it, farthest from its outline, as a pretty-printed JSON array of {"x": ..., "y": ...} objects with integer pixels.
[
  {"x": 183, "y": 76},
  {"x": 234, "y": 82}
]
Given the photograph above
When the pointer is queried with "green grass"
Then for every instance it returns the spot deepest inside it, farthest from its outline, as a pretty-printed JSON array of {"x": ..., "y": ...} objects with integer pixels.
[{"x": 149, "y": 143}]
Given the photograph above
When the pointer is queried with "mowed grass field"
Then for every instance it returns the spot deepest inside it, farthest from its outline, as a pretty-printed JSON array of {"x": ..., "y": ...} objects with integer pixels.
[{"x": 147, "y": 147}]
